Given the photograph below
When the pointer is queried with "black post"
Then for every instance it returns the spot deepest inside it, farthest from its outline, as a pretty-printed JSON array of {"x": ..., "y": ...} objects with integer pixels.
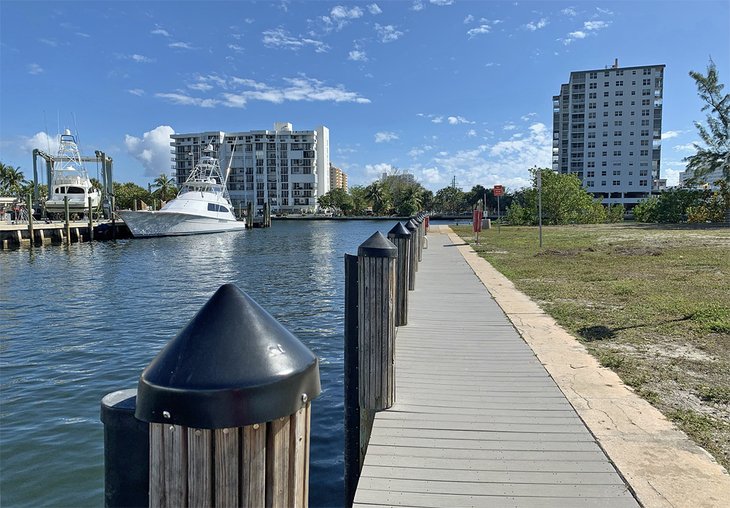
[
  {"x": 413, "y": 255},
  {"x": 401, "y": 238},
  {"x": 352, "y": 401},
  {"x": 126, "y": 455}
]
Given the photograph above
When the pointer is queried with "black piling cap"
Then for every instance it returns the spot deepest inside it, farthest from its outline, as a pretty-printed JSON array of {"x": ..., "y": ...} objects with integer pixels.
[
  {"x": 411, "y": 225},
  {"x": 399, "y": 231},
  {"x": 232, "y": 365},
  {"x": 377, "y": 246}
]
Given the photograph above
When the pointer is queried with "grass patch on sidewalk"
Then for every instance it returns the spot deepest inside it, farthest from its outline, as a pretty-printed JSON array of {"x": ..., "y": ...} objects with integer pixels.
[{"x": 650, "y": 302}]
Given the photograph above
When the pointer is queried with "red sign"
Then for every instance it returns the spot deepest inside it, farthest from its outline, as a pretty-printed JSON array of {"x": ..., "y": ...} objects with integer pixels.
[
  {"x": 498, "y": 190},
  {"x": 476, "y": 224}
]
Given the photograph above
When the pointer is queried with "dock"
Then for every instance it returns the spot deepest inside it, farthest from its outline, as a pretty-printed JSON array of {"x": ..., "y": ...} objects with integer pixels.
[{"x": 478, "y": 421}]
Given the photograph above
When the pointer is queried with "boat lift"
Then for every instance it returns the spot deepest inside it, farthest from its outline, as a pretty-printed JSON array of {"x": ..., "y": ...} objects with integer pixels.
[{"x": 107, "y": 186}]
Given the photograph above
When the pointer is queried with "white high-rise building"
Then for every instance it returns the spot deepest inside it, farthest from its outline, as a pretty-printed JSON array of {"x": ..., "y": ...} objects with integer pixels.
[
  {"x": 286, "y": 168},
  {"x": 607, "y": 129}
]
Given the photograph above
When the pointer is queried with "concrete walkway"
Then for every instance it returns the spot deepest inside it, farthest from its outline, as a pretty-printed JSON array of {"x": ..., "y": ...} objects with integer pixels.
[
  {"x": 478, "y": 420},
  {"x": 662, "y": 465}
]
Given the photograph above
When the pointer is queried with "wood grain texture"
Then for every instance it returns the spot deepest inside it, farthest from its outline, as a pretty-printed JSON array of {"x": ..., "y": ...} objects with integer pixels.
[{"x": 226, "y": 461}]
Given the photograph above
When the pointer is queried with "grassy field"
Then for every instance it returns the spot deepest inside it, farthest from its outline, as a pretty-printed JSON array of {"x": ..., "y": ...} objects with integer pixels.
[{"x": 650, "y": 302}]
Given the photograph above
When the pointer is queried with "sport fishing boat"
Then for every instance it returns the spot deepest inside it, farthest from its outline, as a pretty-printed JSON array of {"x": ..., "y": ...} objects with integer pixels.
[
  {"x": 201, "y": 206},
  {"x": 70, "y": 180}
]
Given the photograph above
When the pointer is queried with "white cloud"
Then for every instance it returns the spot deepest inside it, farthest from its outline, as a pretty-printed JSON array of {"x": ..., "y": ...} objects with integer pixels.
[
  {"x": 49, "y": 42},
  {"x": 595, "y": 25},
  {"x": 41, "y": 141},
  {"x": 437, "y": 119},
  {"x": 528, "y": 116},
  {"x": 341, "y": 12},
  {"x": 279, "y": 38},
  {"x": 180, "y": 45},
  {"x": 186, "y": 100},
  {"x": 160, "y": 31},
  {"x": 377, "y": 170},
  {"x": 374, "y": 9},
  {"x": 84, "y": 35},
  {"x": 491, "y": 64},
  {"x": 417, "y": 5},
  {"x": 536, "y": 25},
  {"x": 688, "y": 147},
  {"x": 456, "y": 120},
  {"x": 385, "y": 137},
  {"x": 670, "y": 134},
  {"x": 152, "y": 149},
  {"x": 357, "y": 56},
  {"x": 387, "y": 33},
  {"x": 236, "y": 48},
  {"x": 569, "y": 11},
  {"x": 481, "y": 29},
  {"x": 136, "y": 91},
  {"x": 34, "y": 68},
  {"x": 589, "y": 28},
  {"x": 509, "y": 126},
  {"x": 471, "y": 133},
  {"x": 468, "y": 19},
  {"x": 441, "y": 2},
  {"x": 506, "y": 162},
  {"x": 237, "y": 92},
  {"x": 136, "y": 58},
  {"x": 604, "y": 11}
]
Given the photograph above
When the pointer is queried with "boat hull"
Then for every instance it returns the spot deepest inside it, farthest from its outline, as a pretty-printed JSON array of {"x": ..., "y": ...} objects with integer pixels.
[{"x": 145, "y": 224}]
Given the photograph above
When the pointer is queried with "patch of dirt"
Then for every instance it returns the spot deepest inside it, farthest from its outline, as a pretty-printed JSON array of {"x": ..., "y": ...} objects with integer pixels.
[
  {"x": 667, "y": 350},
  {"x": 636, "y": 251},
  {"x": 566, "y": 252}
]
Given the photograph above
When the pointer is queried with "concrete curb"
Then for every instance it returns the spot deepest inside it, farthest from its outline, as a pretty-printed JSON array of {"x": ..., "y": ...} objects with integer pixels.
[{"x": 660, "y": 463}]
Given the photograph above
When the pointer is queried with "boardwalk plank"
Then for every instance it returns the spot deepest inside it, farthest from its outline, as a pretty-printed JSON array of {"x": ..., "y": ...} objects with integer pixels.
[{"x": 477, "y": 419}]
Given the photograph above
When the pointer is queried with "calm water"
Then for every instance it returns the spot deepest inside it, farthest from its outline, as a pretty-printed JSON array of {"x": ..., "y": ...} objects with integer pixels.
[{"x": 79, "y": 322}]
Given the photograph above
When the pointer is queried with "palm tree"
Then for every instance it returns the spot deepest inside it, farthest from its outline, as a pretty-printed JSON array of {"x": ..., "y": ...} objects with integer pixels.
[
  {"x": 375, "y": 193},
  {"x": 164, "y": 187},
  {"x": 11, "y": 180}
]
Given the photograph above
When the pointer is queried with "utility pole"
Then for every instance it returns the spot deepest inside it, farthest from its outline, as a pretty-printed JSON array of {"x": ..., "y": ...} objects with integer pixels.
[{"x": 539, "y": 202}]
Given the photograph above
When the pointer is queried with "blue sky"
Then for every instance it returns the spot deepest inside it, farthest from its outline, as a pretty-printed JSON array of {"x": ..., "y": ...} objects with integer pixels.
[{"x": 438, "y": 88}]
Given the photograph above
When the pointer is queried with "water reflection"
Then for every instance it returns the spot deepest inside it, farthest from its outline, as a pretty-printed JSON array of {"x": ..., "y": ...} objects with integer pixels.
[{"x": 83, "y": 320}]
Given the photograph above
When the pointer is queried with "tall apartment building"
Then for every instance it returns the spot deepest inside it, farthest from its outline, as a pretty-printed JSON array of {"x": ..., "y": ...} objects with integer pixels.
[
  {"x": 286, "y": 168},
  {"x": 338, "y": 178},
  {"x": 607, "y": 129}
]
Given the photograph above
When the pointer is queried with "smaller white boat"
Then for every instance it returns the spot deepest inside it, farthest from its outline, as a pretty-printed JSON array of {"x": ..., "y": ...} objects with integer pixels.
[
  {"x": 201, "y": 206},
  {"x": 70, "y": 180}
]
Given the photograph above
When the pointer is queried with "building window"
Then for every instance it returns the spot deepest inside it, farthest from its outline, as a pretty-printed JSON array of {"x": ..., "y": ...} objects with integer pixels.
[
  {"x": 617, "y": 133},
  {"x": 646, "y": 82},
  {"x": 619, "y": 93},
  {"x": 592, "y": 95},
  {"x": 589, "y": 183},
  {"x": 642, "y": 183},
  {"x": 616, "y": 172},
  {"x": 592, "y": 86},
  {"x": 591, "y": 105},
  {"x": 617, "y": 182},
  {"x": 605, "y": 83},
  {"x": 603, "y": 183},
  {"x": 590, "y": 174},
  {"x": 644, "y": 153},
  {"x": 618, "y": 113},
  {"x": 619, "y": 83},
  {"x": 644, "y": 112},
  {"x": 619, "y": 103},
  {"x": 645, "y": 102},
  {"x": 592, "y": 75},
  {"x": 605, "y": 94},
  {"x": 617, "y": 153},
  {"x": 617, "y": 143}
]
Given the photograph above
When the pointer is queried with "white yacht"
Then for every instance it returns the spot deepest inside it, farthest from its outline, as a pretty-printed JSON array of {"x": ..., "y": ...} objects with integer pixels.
[
  {"x": 69, "y": 179},
  {"x": 201, "y": 206}
]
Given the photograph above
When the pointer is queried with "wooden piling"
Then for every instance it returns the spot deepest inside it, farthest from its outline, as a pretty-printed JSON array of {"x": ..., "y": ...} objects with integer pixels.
[
  {"x": 230, "y": 416},
  {"x": 68, "y": 218},
  {"x": 412, "y": 255},
  {"x": 114, "y": 223},
  {"x": 401, "y": 238},
  {"x": 376, "y": 317},
  {"x": 30, "y": 218},
  {"x": 91, "y": 221}
]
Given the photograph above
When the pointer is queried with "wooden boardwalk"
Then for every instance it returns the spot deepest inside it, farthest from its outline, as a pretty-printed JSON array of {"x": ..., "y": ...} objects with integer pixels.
[{"x": 477, "y": 420}]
